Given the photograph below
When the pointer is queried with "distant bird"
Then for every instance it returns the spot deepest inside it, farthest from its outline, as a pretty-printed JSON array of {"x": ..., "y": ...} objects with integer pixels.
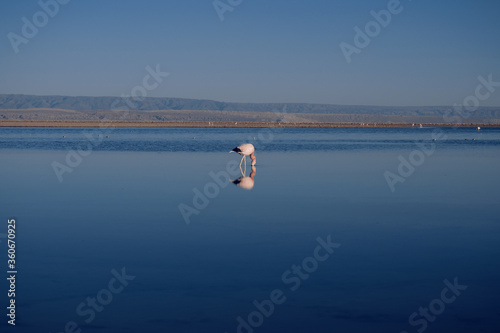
[
  {"x": 478, "y": 128},
  {"x": 245, "y": 150}
]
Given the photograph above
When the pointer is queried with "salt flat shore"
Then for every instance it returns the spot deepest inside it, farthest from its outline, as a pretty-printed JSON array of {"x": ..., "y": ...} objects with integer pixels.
[{"x": 225, "y": 124}]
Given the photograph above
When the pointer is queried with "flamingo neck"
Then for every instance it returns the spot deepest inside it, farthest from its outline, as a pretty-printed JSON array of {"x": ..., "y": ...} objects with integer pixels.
[
  {"x": 252, "y": 174},
  {"x": 254, "y": 159}
]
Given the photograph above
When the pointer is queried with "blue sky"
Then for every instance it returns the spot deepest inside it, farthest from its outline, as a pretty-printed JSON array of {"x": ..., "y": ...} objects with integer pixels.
[{"x": 431, "y": 53}]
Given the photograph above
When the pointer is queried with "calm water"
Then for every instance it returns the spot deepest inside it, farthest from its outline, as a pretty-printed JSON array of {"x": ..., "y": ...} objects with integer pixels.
[{"x": 202, "y": 250}]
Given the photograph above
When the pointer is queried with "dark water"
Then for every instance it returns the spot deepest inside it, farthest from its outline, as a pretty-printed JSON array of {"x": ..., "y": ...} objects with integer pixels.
[
  {"x": 156, "y": 204},
  {"x": 217, "y": 140}
]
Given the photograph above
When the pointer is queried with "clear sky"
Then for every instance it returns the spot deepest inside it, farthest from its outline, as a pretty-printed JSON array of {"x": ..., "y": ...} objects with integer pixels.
[{"x": 430, "y": 53}]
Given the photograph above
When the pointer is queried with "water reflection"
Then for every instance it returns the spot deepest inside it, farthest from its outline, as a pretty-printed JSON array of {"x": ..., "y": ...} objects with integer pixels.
[{"x": 245, "y": 182}]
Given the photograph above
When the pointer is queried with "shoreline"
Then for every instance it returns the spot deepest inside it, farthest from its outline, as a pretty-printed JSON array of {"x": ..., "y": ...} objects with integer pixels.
[{"x": 221, "y": 124}]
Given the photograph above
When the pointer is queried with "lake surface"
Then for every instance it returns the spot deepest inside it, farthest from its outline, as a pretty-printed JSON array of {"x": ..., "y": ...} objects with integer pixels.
[{"x": 336, "y": 230}]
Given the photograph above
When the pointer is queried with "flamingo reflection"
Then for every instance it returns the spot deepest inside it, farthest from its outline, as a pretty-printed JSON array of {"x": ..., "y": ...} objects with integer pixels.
[{"x": 245, "y": 182}]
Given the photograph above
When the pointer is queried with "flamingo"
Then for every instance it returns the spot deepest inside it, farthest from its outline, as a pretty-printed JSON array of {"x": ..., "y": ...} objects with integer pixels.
[{"x": 246, "y": 150}]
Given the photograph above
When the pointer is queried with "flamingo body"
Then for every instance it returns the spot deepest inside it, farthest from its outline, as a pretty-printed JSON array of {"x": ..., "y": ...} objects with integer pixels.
[{"x": 245, "y": 150}]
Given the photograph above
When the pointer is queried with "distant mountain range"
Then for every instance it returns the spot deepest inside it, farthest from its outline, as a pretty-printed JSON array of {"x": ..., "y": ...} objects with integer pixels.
[{"x": 87, "y": 104}]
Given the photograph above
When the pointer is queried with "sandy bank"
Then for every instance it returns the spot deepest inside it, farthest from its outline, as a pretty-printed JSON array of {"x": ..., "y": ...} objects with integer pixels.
[{"x": 206, "y": 124}]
